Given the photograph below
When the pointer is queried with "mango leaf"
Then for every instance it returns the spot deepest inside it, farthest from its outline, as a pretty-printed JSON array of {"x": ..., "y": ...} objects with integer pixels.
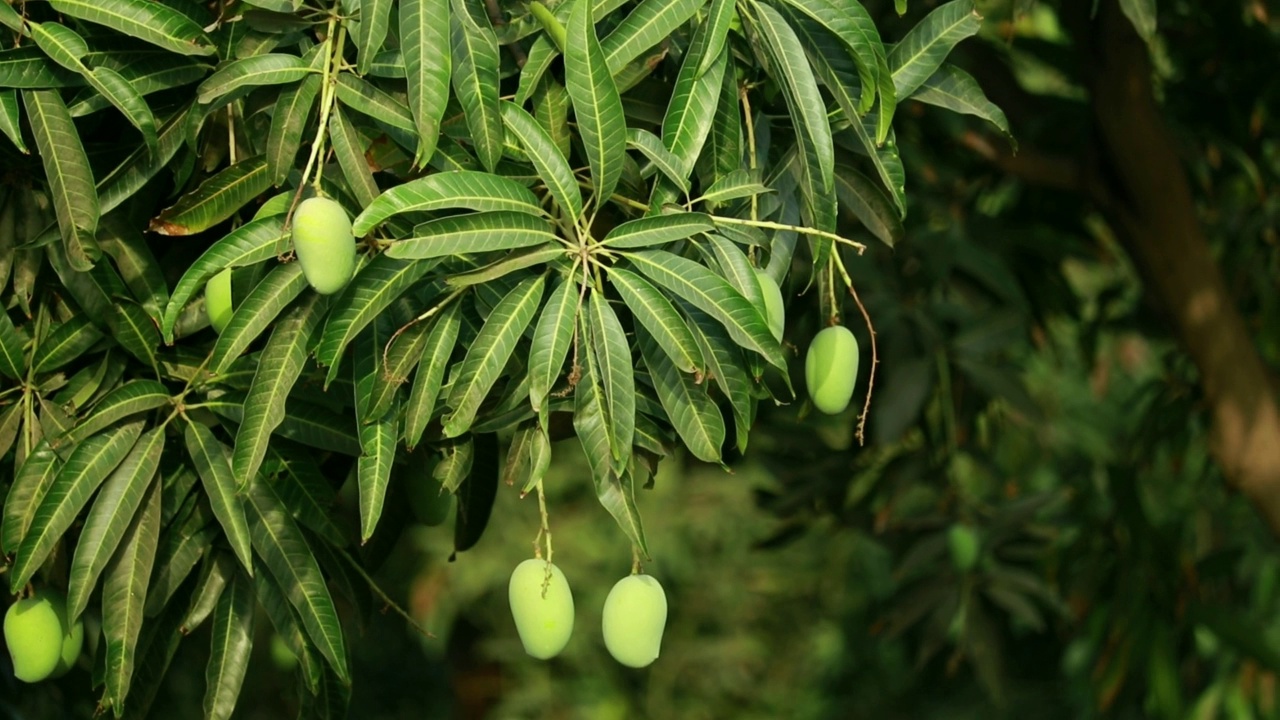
[
  {"x": 124, "y": 595},
  {"x": 658, "y": 230},
  {"x": 691, "y": 410},
  {"x": 30, "y": 484},
  {"x": 799, "y": 88},
  {"x": 349, "y": 148},
  {"x": 139, "y": 166},
  {"x": 657, "y": 315},
  {"x": 430, "y": 373},
  {"x": 956, "y": 90},
  {"x": 253, "y": 71},
  {"x": 368, "y": 99},
  {"x": 278, "y": 368},
  {"x": 212, "y": 462},
  {"x": 473, "y": 233},
  {"x": 725, "y": 363},
  {"x": 424, "y": 27},
  {"x": 616, "y": 377},
  {"x": 596, "y": 103},
  {"x": 285, "y": 621},
  {"x": 371, "y": 33},
  {"x": 649, "y": 24},
  {"x": 924, "y": 48},
  {"x": 664, "y": 160},
  {"x": 12, "y": 350},
  {"x": 126, "y": 98},
  {"x": 475, "y": 78},
  {"x": 869, "y": 204},
  {"x": 110, "y": 517},
  {"x": 285, "y": 552},
  {"x": 216, "y": 199},
  {"x": 838, "y": 74},
  {"x": 186, "y": 539},
  {"x": 373, "y": 289},
  {"x": 75, "y": 198},
  {"x": 135, "y": 331},
  {"x": 131, "y": 398},
  {"x": 855, "y": 30},
  {"x": 715, "y": 296},
  {"x": 1142, "y": 13},
  {"x": 737, "y": 184},
  {"x": 138, "y": 266},
  {"x": 720, "y": 19},
  {"x": 150, "y": 22},
  {"x": 255, "y": 312},
  {"x": 693, "y": 102},
  {"x": 377, "y": 454},
  {"x": 551, "y": 338},
  {"x": 216, "y": 572},
  {"x": 477, "y": 493},
  {"x": 10, "y": 118},
  {"x": 89, "y": 464},
  {"x": 289, "y": 119},
  {"x": 489, "y": 353},
  {"x": 512, "y": 262},
  {"x": 304, "y": 490},
  {"x": 231, "y": 647},
  {"x": 547, "y": 158},
  {"x": 464, "y": 189},
  {"x": 251, "y": 243}
]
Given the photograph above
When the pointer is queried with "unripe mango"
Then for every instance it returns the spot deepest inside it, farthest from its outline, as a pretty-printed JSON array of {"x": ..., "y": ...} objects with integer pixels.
[
  {"x": 33, "y": 634},
  {"x": 324, "y": 244},
  {"x": 218, "y": 304},
  {"x": 543, "y": 621},
  {"x": 429, "y": 500},
  {"x": 635, "y": 615},
  {"x": 775, "y": 309},
  {"x": 72, "y": 637},
  {"x": 831, "y": 369},
  {"x": 964, "y": 544}
]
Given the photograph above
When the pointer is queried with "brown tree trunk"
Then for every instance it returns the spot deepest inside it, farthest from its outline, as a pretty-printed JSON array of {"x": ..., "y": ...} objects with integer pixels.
[{"x": 1148, "y": 199}]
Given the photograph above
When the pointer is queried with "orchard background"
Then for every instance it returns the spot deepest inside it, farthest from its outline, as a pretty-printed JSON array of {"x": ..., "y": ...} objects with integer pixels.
[{"x": 1060, "y": 218}]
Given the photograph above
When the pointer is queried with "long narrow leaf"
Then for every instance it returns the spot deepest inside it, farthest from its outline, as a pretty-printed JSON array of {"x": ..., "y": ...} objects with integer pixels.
[{"x": 489, "y": 353}]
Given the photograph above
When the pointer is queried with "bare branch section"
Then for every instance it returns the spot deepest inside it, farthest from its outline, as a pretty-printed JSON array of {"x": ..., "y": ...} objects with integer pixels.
[{"x": 1146, "y": 197}]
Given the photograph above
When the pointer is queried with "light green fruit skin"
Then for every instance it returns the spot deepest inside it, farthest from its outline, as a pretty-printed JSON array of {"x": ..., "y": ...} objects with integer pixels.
[
  {"x": 217, "y": 300},
  {"x": 964, "y": 545},
  {"x": 72, "y": 638},
  {"x": 544, "y": 624},
  {"x": 281, "y": 655},
  {"x": 33, "y": 634},
  {"x": 324, "y": 244},
  {"x": 775, "y": 309},
  {"x": 635, "y": 616},
  {"x": 831, "y": 369}
]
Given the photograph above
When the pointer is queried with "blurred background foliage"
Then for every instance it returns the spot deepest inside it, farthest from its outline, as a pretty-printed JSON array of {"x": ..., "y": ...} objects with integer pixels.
[{"x": 1028, "y": 388}]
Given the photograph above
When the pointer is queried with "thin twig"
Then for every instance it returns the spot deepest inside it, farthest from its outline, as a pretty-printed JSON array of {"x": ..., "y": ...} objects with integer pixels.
[
  {"x": 875, "y": 358},
  {"x": 373, "y": 585},
  {"x": 768, "y": 225}
]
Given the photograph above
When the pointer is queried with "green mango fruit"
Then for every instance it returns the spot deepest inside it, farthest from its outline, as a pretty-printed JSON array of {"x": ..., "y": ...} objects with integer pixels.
[
  {"x": 324, "y": 244},
  {"x": 965, "y": 545},
  {"x": 635, "y": 615},
  {"x": 543, "y": 621},
  {"x": 776, "y": 310},
  {"x": 218, "y": 304},
  {"x": 34, "y": 633},
  {"x": 431, "y": 503},
  {"x": 831, "y": 369},
  {"x": 72, "y": 637}
]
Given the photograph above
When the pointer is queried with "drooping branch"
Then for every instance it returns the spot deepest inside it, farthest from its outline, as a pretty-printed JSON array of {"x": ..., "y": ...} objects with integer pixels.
[
  {"x": 1135, "y": 177},
  {"x": 1157, "y": 215}
]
